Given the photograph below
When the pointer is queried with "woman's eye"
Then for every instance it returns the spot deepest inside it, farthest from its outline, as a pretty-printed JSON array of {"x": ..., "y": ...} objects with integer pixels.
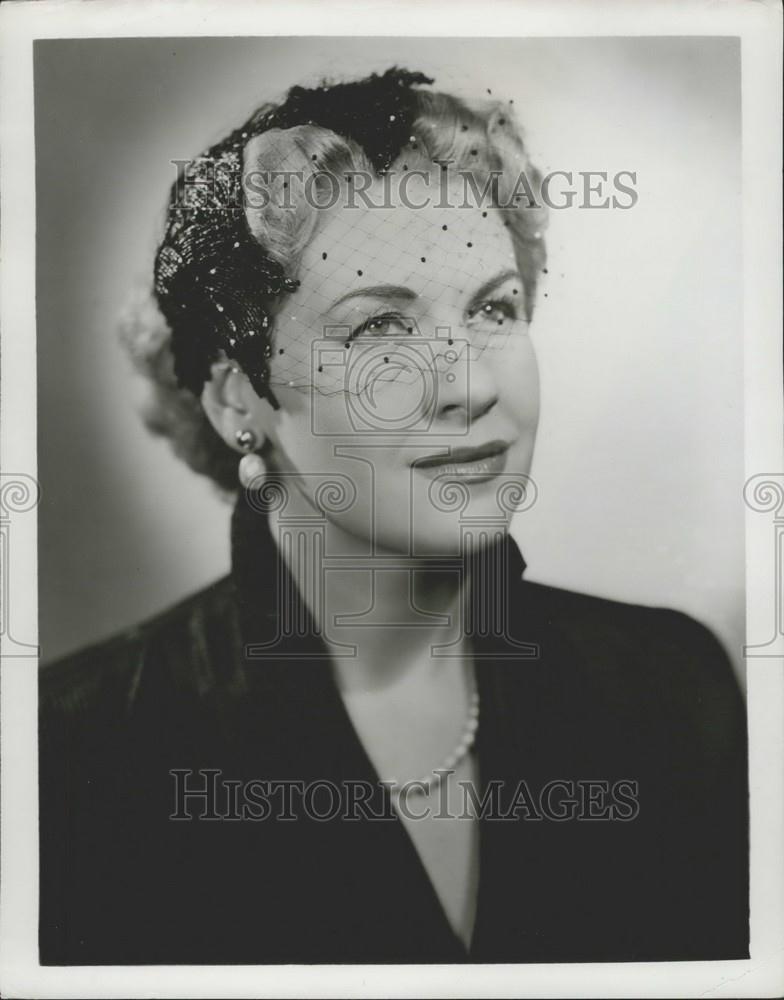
[
  {"x": 381, "y": 326},
  {"x": 497, "y": 311}
]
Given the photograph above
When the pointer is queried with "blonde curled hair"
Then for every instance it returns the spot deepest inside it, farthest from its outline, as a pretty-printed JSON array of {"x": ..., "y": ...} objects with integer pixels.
[{"x": 480, "y": 138}]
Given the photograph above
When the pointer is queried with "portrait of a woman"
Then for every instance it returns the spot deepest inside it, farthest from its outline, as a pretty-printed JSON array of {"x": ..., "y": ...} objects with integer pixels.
[{"x": 375, "y": 741}]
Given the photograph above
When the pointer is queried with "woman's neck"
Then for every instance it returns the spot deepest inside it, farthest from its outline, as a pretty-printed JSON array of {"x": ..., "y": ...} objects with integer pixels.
[{"x": 381, "y": 616}]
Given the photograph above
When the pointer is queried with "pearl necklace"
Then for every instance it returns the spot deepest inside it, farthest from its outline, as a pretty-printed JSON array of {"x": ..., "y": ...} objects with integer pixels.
[{"x": 430, "y": 781}]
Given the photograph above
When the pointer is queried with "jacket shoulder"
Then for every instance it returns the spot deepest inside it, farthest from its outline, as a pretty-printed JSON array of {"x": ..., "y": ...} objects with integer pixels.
[
  {"x": 652, "y": 660},
  {"x": 107, "y": 675},
  {"x": 619, "y": 626}
]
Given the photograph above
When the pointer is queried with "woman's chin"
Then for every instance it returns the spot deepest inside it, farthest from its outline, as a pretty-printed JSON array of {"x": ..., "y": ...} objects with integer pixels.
[{"x": 442, "y": 535}]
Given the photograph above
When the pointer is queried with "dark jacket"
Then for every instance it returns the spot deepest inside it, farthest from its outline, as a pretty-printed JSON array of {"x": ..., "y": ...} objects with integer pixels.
[{"x": 653, "y": 867}]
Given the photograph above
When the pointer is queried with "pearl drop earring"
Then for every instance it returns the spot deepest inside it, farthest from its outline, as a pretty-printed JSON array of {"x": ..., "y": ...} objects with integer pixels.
[{"x": 247, "y": 440}]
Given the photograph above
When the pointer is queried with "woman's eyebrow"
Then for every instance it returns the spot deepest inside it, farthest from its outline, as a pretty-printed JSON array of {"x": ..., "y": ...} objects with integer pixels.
[
  {"x": 407, "y": 295},
  {"x": 378, "y": 292},
  {"x": 490, "y": 286}
]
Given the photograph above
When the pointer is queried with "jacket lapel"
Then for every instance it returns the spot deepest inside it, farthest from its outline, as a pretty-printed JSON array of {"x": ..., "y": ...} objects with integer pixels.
[{"x": 310, "y": 737}]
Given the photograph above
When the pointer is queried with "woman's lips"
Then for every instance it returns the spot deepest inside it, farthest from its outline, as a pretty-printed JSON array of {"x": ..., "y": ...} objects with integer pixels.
[{"x": 473, "y": 465}]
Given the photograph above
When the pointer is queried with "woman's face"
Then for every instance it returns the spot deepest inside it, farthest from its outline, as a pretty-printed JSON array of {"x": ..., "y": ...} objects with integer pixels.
[{"x": 404, "y": 370}]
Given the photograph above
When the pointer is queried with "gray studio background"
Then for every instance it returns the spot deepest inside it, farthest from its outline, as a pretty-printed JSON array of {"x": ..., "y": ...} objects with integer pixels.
[{"x": 640, "y": 453}]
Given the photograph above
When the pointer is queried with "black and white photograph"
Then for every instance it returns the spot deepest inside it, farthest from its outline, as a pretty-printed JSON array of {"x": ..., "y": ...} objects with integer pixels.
[{"x": 398, "y": 525}]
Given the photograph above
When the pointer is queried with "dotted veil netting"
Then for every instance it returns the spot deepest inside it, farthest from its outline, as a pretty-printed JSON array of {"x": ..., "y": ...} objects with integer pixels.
[{"x": 306, "y": 244}]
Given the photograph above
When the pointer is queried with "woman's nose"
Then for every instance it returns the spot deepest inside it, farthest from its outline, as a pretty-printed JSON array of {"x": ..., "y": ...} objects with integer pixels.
[{"x": 466, "y": 387}]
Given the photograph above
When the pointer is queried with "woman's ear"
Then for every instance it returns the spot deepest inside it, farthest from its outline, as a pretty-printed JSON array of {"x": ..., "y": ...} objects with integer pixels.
[{"x": 231, "y": 404}]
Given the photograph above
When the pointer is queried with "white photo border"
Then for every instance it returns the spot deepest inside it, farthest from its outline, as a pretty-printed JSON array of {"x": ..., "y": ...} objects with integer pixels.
[{"x": 759, "y": 27}]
